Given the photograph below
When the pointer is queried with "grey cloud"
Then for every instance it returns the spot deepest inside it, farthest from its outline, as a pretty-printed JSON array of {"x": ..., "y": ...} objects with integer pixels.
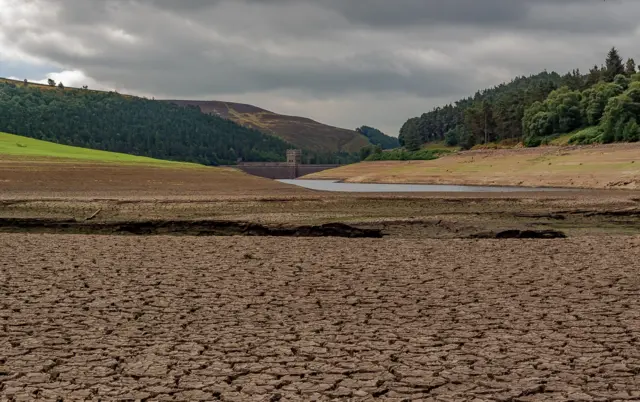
[
  {"x": 385, "y": 13},
  {"x": 172, "y": 59},
  {"x": 186, "y": 71},
  {"x": 517, "y": 14}
]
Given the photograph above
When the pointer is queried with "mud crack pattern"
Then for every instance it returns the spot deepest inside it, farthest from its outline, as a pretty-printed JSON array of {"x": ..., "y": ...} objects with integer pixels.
[{"x": 266, "y": 319}]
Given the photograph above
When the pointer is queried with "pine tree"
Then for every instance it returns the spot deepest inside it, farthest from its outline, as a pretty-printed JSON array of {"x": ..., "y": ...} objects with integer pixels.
[
  {"x": 594, "y": 76},
  {"x": 365, "y": 152},
  {"x": 613, "y": 64},
  {"x": 630, "y": 67},
  {"x": 412, "y": 141}
]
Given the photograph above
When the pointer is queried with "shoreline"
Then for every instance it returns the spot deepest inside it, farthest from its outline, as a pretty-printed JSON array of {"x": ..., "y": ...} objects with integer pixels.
[{"x": 542, "y": 188}]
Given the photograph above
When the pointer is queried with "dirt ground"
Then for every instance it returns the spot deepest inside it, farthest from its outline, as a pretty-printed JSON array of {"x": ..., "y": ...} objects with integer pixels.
[
  {"x": 407, "y": 216},
  {"x": 120, "y": 195},
  {"x": 116, "y": 193},
  {"x": 594, "y": 166},
  {"x": 47, "y": 179},
  {"x": 425, "y": 313},
  {"x": 261, "y": 319}
]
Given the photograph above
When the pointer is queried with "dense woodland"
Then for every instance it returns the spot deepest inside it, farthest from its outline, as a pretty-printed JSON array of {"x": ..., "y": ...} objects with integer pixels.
[
  {"x": 601, "y": 106},
  {"x": 377, "y": 137},
  {"x": 113, "y": 122}
]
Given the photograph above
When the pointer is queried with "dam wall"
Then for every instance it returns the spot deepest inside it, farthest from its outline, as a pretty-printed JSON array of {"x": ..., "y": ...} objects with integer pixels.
[
  {"x": 289, "y": 170},
  {"x": 281, "y": 170}
]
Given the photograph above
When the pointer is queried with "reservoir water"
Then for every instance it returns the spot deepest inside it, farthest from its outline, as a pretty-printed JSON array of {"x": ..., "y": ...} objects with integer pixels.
[{"x": 333, "y": 185}]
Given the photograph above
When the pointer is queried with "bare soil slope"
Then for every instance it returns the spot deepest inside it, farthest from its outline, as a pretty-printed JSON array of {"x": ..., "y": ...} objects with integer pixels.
[
  {"x": 58, "y": 178},
  {"x": 299, "y": 131},
  {"x": 599, "y": 166},
  {"x": 262, "y": 319}
]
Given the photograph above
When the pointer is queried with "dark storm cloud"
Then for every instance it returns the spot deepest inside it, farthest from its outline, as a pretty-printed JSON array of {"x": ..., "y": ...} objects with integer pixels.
[
  {"x": 402, "y": 13},
  {"x": 519, "y": 14},
  {"x": 397, "y": 56}
]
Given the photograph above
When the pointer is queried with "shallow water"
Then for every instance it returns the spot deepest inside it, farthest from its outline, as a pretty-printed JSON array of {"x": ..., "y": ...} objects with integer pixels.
[{"x": 332, "y": 185}]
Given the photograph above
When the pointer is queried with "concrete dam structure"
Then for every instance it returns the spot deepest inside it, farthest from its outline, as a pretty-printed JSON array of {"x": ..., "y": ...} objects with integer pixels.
[{"x": 289, "y": 170}]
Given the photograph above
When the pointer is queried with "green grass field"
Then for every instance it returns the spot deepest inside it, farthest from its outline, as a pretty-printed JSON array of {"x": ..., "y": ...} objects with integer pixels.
[{"x": 23, "y": 147}]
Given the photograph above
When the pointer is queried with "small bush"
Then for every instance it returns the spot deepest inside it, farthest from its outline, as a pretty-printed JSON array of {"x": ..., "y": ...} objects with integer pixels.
[
  {"x": 533, "y": 141},
  {"x": 631, "y": 132},
  {"x": 553, "y": 139},
  {"x": 404, "y": 155},
  {"x": 504, "y": 144},
  {"x": 441, "y": 151},
  {"x": 590, "y": 135}
]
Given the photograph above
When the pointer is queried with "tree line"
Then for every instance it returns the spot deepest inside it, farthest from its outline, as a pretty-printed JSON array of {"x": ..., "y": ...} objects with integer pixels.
[
  {"x": 536, "y": 108},
  {"x": 118, "y": 123}
]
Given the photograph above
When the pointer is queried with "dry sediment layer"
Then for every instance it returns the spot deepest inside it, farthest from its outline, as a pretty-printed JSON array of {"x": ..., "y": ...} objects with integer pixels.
[
  {"x": 262, "y": 319},
  {"x": 410, "y": 216},
  {"x": 192, "y": 228},
  {"x": 595, "y": 166},
  {"x": 53, "y": 178}
]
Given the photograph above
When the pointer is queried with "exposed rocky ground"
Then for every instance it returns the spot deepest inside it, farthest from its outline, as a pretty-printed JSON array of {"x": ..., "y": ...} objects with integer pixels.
[{"x": 267, "y": 319}]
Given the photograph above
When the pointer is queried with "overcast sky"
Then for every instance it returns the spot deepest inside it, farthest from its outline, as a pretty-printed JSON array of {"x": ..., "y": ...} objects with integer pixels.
[{"x": 342, "y": 62}]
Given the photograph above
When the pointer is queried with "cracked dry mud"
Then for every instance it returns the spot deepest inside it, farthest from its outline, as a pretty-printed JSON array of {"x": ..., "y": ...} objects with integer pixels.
[{"x": 266, "y": 319}]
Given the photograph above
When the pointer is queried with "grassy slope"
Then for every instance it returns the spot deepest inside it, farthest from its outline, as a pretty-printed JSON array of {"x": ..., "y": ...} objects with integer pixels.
[
  {"x": 32, "y": 168},
  {"x": 23, "y": 147},
  {"x": 601, "y": 166},
  {"x": 300, "y": 131}
]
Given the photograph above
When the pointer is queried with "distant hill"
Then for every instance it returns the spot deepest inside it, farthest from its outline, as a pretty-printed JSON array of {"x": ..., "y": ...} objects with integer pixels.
[
  {"x": 377, "y": 137},
  {"x": 113, "y": 122},
  {"x": 300, "y": 131}
]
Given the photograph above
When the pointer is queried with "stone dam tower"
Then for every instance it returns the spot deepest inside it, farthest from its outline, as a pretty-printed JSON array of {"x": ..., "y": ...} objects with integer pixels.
[{"x": 294, "y": 156}]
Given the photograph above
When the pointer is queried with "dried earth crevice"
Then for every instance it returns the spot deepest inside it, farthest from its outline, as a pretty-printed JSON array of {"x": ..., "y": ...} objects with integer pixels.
[
  {"x": 171, "y": 318},
  {"x": 184, "y": 227}
]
